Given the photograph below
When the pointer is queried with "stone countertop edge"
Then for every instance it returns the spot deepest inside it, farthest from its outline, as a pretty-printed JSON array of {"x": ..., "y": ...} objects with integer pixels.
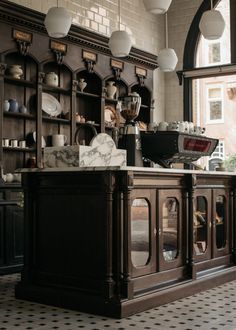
[{"x": 123, "y": 168}]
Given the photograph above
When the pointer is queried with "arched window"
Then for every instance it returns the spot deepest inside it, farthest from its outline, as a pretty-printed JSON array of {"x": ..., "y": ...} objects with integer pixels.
[{"x": 209, "y": 80}]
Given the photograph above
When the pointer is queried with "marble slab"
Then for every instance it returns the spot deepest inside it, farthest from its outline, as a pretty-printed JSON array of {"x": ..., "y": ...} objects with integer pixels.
[{"x": 101, "y": 152}]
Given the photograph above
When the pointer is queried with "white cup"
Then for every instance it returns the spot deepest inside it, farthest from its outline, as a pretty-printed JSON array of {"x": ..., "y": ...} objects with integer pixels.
[
  {"x": 14, "y": 143},
  {"x": 59, "y": 140},
  {"x": 9, "y": 177},
  {"x": 22, "y": 144},
  {"x": 163, "y": 125},
  {"x": 5, "y": 142}
]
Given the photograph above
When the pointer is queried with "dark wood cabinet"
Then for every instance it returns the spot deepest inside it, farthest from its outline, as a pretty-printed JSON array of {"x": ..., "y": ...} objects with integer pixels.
[{"x": 125, "y": 240}]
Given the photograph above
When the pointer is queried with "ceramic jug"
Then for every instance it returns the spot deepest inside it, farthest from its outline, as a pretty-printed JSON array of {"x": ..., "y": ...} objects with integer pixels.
[
  {"x": 82, "y": 84},
  {"x": 22, "y": 109},
  {"x": 13, "y": 105},
  {"x": 51, "y": 79},
  {"x": 111, "y": 89},
  {"x": 59, "y": 140}
]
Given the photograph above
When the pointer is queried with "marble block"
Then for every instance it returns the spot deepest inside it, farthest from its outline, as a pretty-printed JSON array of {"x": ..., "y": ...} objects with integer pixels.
[{"x": 101, "y": 152}]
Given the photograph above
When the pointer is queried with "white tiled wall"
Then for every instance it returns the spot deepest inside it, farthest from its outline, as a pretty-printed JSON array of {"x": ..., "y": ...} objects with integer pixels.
[{"x": 147, "y": 32}]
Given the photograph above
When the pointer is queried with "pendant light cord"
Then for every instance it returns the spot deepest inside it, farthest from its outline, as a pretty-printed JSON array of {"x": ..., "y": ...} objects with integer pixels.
[
  {"x": 166, "y": 29},
  {"x": 211, "y": 4},
  {"x": 119, "y": 13},
  {"x": 57, "y": 3}
]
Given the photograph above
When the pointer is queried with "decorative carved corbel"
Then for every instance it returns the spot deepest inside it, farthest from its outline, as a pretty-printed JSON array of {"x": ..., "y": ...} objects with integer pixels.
[
  {"x": 59, "y": 50},
  {"x": 117, "y": 67},
  {"x": 23, "y": 40},
  {"x": 141, "y": 75},
  {"x": 90, "y": 59}
]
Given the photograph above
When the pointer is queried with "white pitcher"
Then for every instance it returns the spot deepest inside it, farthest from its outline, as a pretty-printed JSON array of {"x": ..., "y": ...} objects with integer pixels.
[{"x": 59, "y": 140}]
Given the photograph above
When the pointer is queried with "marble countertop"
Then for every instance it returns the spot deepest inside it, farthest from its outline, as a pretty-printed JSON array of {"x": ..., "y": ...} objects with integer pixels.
[{"x": 124, "y": 168}]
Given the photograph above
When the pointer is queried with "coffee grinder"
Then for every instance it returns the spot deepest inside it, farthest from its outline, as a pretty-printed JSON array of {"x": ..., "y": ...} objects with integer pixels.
[{"x": 129, "y": 139}]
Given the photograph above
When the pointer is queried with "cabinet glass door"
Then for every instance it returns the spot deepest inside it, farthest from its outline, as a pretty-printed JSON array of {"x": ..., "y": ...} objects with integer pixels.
[
  {"x": 170, "y": 230},
  {"x": 202, "y": 225},
  {"x": 140, "y": 232},
  {"x": 220, "y": 222},
  {"x": 170, "y": 219}
]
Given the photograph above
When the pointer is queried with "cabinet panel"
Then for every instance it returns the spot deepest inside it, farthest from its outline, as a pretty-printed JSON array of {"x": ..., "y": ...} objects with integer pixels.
[
  {"x": 2, "y": 238},
  {"x": 14, "y": 234}
]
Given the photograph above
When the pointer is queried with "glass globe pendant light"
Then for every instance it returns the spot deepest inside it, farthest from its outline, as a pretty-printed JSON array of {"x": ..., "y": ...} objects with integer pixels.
[
  {"x": 212, "y": 24},
  {"x": 167, "y": 58},
  {"x": 157, "y": 6},
  {"x": 120, "y": 42},
  {"x": 57, "y": 22}
]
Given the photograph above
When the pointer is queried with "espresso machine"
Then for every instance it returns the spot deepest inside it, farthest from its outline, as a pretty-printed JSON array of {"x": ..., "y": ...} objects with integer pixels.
[{"x": 129, "y": 138}]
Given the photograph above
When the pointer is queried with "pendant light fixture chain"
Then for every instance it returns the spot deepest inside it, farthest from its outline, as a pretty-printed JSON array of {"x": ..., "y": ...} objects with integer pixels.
[
  {"x": 119, "y": 14},
  {"x": 166, "y": 30}
]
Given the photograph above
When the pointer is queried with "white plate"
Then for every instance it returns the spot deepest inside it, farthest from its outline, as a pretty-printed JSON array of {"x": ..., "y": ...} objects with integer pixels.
[{"x": 50, "y": 105}]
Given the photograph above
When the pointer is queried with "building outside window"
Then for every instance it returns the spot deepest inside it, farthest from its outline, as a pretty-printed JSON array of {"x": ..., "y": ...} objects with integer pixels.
[{"x": 214, "y": 104}]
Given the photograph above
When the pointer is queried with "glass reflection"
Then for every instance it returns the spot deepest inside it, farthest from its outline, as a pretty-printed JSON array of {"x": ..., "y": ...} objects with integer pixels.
[
  {"x": 170, "y": 210},
  {"x": 140, "y": 232},
  {"x": 220, "y": 222},
  {"x": 200, "y": 225}
]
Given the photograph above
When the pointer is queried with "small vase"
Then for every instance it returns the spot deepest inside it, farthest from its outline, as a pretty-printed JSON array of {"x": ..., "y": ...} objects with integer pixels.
[
  {"x": 111, "y": 89},
  {"x": 15, "y": 71},
  {"x": 13, "y": 105},
  {"x": 22, "y": 109},
  {"x": 82, "y": 84},
  {"x": 6, "y": 105}
]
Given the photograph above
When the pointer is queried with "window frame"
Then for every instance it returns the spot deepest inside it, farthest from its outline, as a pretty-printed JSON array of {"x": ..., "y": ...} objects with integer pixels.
[{"x": 189, "y": 61}]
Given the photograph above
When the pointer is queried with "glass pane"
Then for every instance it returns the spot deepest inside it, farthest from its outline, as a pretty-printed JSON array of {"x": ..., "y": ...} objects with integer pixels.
[
  {"x": 214, "y": 92},
  {"x": 170, "y": 217},
  {"x": 200, "y": 225},
  {"x": 220, "y": 222},
  {"x": 214, "y": 52},
  {"x": 215, "y": 110},
  {"x": 140, "y": 232}
]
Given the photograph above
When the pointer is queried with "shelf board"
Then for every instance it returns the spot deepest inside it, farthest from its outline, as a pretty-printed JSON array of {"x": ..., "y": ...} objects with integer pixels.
[
  {"x": 29, "y": 149},
  {"x": 18, "y": 115},
  {"x": 52, "y": 89},
  {"x": 97, "y": 125},
  {"x": 88, "y": 94},
  {"x": 56, "y": 120},
  {"x": 108, "y": 100},
  {"x": 19, "y": 82}
]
